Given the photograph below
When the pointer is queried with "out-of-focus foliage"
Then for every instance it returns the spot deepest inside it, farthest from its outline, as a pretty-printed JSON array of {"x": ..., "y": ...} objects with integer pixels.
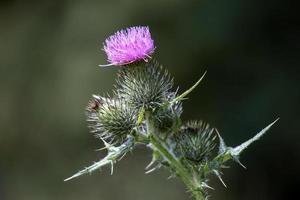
[{"x": 49, "y": 54}]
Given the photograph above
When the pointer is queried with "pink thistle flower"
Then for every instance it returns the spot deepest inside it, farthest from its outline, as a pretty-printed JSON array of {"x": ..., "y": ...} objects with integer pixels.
[{"x": 130, "y": 45}]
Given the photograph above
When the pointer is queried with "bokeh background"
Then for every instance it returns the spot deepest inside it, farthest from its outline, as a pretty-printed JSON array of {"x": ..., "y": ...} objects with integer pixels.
[{"x": 49, "y": 52}]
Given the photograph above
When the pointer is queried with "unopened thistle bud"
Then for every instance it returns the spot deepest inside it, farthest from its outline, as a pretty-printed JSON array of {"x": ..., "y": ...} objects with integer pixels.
[
  {"x": 168, "y": 119},
  {"x": 144, "y": 84},
  {"x": 195, "y": 141},
  {"x": 110, "y": 119}
]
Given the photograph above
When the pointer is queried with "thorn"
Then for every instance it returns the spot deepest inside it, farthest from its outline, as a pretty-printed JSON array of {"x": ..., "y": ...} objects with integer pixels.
[
  {"x": 96, "y": 97},
  {"x": 151, "y": 163},
  {"x": 225, "y": 166},
  {"x": 122, "y": 156},
  {"x": 236, "y": 159},
  {"x": 222, "y": 181},
  {"x": 107, "y": 65},
  {"x": 67, "y": 179},
  {"x": 203, "y": 184},
  {"x": 115, "y": 64},
  {"x": 101, "y": 149},
  {"x": 153, "y": 169},
  {"x": 171, "y": 176},
  {"x": 112, "y": 167},
  {"x": 222, "y": 146},
  {"x": 220, "y": 178},
  {"x": 106, "y": 144}
]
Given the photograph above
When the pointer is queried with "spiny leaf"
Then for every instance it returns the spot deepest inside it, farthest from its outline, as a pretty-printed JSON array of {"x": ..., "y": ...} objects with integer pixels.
[
  {"x": 183, "y": 95},
  {"x": 239, "y": 149},
  {"x": 114, "y": 153}
]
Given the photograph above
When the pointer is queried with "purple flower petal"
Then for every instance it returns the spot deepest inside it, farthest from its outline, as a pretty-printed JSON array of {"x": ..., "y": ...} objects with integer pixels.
[{"x": 128, "y": 46}]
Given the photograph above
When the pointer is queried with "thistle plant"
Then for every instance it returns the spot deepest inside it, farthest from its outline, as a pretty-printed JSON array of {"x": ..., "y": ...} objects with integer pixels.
[{"x": 144, "y": 109}]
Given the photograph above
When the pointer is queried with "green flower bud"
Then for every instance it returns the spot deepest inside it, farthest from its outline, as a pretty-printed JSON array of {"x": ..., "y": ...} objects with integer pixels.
[
  {"x": 110, "y": 119},
  {"x": 195, "y": 141},
  {"x": 168, "y": 119},
  {"x": 144, "y": 84}
]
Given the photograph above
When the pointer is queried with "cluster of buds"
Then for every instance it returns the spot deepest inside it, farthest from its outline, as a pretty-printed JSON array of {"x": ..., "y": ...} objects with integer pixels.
[{"x": 145, "y": 110}]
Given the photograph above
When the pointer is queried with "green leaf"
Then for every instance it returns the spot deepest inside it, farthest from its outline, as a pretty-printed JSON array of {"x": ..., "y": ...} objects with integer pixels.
[
  {"x": 228, "y": 153},
  {"x": 239, "y": 149},
  {"x": 114, "y": 154},
  {"x": 183, "y": 95}
]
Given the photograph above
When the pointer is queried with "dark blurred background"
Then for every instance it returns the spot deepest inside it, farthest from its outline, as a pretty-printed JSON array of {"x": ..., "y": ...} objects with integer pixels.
[{"x": 49, "y": 52}]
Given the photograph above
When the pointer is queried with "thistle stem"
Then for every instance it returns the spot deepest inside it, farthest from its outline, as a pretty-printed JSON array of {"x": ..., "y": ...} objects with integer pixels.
[{"x": 181, "y": 171}]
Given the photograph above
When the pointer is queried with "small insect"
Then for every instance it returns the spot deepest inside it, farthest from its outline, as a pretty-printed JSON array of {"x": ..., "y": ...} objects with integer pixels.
[{"x": 94, "y": 103}]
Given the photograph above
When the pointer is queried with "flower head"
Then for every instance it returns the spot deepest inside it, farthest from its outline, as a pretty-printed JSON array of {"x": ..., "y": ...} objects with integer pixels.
[
  {"x": 144, "y": 85},
  {"x": 195, "y": 141},
  {"x": 128, "y": 46},
  {"x": 110, "y": 119}
]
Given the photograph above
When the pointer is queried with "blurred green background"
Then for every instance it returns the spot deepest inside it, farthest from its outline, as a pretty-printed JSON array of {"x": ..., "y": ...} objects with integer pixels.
[{"x": 49, "y": 52}]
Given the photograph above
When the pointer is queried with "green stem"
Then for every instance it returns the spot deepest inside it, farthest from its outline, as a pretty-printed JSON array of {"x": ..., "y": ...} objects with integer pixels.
[{"x": 181, "y": 171}]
